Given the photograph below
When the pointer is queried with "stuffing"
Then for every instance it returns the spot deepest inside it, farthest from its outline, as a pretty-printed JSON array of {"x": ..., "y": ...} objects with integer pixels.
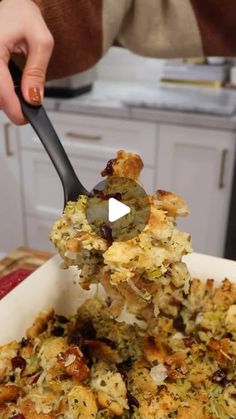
[
  {"x": 93, "y": 365},
  {"x": 81, "y": 403},
  {"x": 123, "y": 265},
  {"x": 110, "y": 389}
]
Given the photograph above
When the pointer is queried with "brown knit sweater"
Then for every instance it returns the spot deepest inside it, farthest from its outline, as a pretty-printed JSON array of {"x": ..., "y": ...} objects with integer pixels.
[{"x": 84, "y": 29}]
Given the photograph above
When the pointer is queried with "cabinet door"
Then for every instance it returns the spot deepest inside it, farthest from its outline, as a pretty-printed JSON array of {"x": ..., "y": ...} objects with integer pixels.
[
  {"x": 37, "y": 233},
  {"x": 11, "y": 213},
  {"x": 198, "y": 164}
]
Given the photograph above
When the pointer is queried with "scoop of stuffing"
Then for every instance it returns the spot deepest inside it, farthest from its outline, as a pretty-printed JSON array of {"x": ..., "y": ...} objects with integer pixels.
[{"x": 134, "y": 272}]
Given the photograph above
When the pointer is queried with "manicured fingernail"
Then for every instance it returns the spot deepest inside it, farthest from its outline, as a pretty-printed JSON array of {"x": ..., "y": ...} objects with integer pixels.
[{"x": 34, "y": 95}]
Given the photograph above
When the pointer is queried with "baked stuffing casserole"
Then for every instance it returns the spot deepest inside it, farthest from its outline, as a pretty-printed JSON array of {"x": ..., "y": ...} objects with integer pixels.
[
  {"x": 180, "y": 365},
  {"x": 176, "y": 359}
]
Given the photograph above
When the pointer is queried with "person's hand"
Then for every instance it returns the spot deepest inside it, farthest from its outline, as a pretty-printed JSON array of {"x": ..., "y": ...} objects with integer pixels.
[{"x": 23, "y": 30}]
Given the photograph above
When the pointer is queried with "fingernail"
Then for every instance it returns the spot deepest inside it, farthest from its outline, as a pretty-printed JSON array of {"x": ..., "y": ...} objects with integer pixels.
[{"x": 34, "y": 95}]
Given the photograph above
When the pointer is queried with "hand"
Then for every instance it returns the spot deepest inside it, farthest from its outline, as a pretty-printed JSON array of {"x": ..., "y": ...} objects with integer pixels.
[{"x": 23, "y": 31}]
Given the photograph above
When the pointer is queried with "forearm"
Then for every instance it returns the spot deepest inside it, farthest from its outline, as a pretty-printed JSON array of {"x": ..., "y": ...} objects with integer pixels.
[{"x": 84, "y": 29}]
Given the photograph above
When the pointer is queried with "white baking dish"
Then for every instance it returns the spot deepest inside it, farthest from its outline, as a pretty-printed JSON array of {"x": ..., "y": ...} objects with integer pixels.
[{"x": 52, "y": 286}]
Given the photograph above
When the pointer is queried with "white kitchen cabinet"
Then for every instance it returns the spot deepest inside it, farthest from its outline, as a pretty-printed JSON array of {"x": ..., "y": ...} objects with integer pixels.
[
  {"x": 90, "y": 143},
  {"x": 198, "y": 164},
  {"x": 98, "y": 138},
  {"x": 11, "y": 207},
  {"x": 37, "y": 232}
]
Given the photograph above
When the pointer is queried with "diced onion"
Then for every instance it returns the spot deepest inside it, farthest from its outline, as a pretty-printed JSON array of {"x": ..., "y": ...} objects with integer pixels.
[
  {"x": 159, "y": 373},
  {"x": 70, "y": 359}
]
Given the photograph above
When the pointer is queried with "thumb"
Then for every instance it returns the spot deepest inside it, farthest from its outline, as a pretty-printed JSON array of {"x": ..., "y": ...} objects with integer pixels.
[{"x": 34, "y": 73}]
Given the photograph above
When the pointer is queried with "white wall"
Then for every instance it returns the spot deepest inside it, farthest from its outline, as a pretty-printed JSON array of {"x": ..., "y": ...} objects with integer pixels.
[{"x": 120, "y": 64}]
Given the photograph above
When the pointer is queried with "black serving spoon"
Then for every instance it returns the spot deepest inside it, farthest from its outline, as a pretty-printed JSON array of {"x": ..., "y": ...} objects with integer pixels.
[{"x": 38, "y": 119}]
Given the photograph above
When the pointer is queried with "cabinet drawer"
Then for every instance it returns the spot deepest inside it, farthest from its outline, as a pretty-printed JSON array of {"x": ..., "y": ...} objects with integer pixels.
[
  {"x": 43, "y": 194},
  {"x": 94, "y": 137}
]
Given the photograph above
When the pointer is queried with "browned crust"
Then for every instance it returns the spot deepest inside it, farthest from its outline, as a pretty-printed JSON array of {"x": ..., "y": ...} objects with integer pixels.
[
  {"x": 126, "y": 164},
  {"x": 76, "y": 26},
  {"x": 216, "y": 22},
  {"x": 172, "y": 203},
  {"x": 8, "y": 393}
]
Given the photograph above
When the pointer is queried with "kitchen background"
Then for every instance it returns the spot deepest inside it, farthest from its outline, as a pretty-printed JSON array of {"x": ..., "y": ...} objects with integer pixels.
[{"x": 183, "y": 128}]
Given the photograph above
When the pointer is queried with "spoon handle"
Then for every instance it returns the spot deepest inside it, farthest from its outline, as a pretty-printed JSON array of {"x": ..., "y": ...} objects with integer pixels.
[{"x": 37, "y": 117}]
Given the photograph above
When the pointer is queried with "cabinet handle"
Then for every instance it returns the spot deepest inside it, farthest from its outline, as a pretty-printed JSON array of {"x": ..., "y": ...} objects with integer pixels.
[
  {"x": 9, "y": 152},
  {"x": 221, "y": 183},
  {"x": 83, "y": 136}
]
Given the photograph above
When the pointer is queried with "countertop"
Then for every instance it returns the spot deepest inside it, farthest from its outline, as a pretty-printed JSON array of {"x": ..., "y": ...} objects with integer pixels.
[
  {"x": 23, "y": 257},
  {"x": 171, "y": 104}
]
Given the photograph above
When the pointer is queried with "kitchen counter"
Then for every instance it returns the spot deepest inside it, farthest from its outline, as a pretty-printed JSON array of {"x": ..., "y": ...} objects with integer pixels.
[
  {"x": 23, "y": 258},
  {"x": 169, "y": 104}
]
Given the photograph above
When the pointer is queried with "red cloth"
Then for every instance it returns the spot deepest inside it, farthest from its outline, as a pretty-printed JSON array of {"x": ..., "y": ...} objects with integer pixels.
[{"x": 11, "y": 280}]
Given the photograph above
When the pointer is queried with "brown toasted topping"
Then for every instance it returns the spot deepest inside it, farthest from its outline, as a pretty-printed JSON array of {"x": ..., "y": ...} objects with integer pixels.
[
  {"x": 103, "y": 351},
  {"x": 8, "y": 393},
  {"x": 219, "y": 350},
  {"x": 175, "y": 365},
  {"x": 172, "y": 203},
  {"x": 73, "y": 245},
  {"x": 40, "y": 324},
  {"x": 155, "y": 350},
  {"x": 74, "y": 363}
]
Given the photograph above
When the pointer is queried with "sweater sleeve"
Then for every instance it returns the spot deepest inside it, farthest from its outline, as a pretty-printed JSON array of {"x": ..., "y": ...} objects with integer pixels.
[{"x": 85, "y": 29}]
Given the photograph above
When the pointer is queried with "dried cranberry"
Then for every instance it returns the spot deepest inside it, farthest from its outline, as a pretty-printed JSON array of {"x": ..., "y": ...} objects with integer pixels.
[
  {"x": 179, "y": 324},
  {"x": 87, "y": 330},
  {"x": 18, "y": 362},
  {"x": 175, "y": 302},
  {"x": 106, "y": 233},
  {"x": 108, "y": 342},
  {"x": 219, "y": 376},
  {"x": 34, "y": 379},
  {"x": 189, "y": 341},
  {"x": 132, "y": 400},
  {"x": 57, "y": 331},
  {"x": 123, "y": 373},
  {"x": 19, "y": 416},
  {"x": 108, "y": 171}
]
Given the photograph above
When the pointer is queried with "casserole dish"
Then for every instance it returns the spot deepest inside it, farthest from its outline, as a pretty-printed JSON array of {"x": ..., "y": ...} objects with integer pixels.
[{"x": 50, "y": 286}]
